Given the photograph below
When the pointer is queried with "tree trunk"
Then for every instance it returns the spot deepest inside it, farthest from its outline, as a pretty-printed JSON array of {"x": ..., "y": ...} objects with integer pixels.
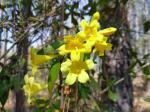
[
  {"x": 116, "y": 65},
  {"x": 22, "y": 51}
]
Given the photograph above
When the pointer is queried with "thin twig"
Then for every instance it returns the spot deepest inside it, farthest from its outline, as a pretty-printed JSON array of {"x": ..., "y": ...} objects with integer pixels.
[
  {"x": 76, "y": 97},
  {"x": 60, "y": 75},
  {"x": 117, "y": 82},
  {"x": 68, "y": 104},
  {"x": 21, "y": 37}
]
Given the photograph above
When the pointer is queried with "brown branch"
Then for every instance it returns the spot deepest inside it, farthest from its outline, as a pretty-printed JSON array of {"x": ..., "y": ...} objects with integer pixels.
[
  {"x": 60, "y": 76},
  {"x": 21, "y": 37}
]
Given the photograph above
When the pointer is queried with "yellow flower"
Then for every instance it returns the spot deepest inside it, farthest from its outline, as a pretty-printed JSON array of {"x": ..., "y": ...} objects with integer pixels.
[
  {"x": 96, "y": 16},
  {"x": 31, "y": 87},
  {"x": 89, "y": 30},
  {"x": 108, "y": 31},
  {"x": 36, "y": 59},
  {"x": 95, "y": 38},
  {"x": 101, "y": 45},
  {"x": 76, "y": 70},
  {"x": 73, "y": 45}
]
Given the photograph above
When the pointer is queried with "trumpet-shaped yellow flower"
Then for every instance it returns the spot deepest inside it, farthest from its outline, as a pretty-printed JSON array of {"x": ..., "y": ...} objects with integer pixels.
[
  {"x": 31, "y": 87},
  {"x": 89, "y": 30},
  {"x": 95, "y": 38},
  {"x": 73, "y": 45},
  {"x": 76, "y": 70},
  {"x": 108, "y": 31},
  {"x": 36, "y": 59},
  {"x": 96, "y": 16},
  {"x": 101, "y": 45}
]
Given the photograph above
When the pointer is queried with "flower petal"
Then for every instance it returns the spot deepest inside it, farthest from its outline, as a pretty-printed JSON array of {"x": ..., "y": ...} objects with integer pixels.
[
  {"x": 108, "y": 31},
  {"x": 95, "y": 25},
  {"x": 83, "y": 24},
  {"x": 89, "y": 64},
  {"x": 68, "y": 38},
  {"x": 81, "y": 35},
  {"x": 34, "y": 69},
  {"x": 101, "y": 53},
  {"x": 26, "y": 78},
  {"x": 109, "y": 46},
  {"x": 76, "y": 56},
  {"x": 65, "y": 66},
  {"x": 40, "y": 59},
  {"x": 71, "y": 78},
  {"x": 83, "y": 77},
  {"x": 96, "y": 16},
  {"x": 62, "y": 50}
]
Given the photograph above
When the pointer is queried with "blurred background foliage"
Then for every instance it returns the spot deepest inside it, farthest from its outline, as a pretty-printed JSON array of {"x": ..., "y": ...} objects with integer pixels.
[{"x": 43, "y": 23}]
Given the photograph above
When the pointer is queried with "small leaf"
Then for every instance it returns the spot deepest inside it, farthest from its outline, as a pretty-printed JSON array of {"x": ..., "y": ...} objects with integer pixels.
[
  {"x": 112, "y": 95},
  {"x": 146, "y": 70},
  {"x": 147, "y": 99},
  {"x": 146, "y": 26},
  {"x": 57, "y": 44},
  {"x": 41, "y": 103},
  {"x": 4, "y": 91},
  {"x": 53, "y": 75},
  {"x": 146, "y": 56},
  {"x": 87, "y": 56},
  {"x": 84, "y": 91},
  {"x": 46, "y": 50}
]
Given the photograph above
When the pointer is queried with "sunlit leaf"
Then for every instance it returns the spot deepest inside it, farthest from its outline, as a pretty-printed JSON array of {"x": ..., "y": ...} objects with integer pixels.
[
  {"x": 147, "y": 99},
  {"x": 53, "y": 75},
  {"x": 57, "y": 44},
  {"x": 112, "y": 95}
]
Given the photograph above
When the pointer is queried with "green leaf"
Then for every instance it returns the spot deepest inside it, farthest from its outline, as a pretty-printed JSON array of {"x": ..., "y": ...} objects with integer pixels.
[
  {"x": 42, "y": 103},
  {"x": 146, "y": 70},
  {"x": 146, "y": 26},
  {"x": 57, "y": 44},
  {"x": 146, "y": 56},
  {"x": 93, "y": 84},
  {"x": 84, "y": 91},
  {"x": 87, "y": 56},
  {"x": 147, "y": 99},
  {"x": 46, "y": 50},
  {"x": 4, "y": 91},
  {"x": 53, "y": 75},
  {"x": 50, "y": 49},
  {"x": 111, "y": 82},
  {"x": 112, "y": 95}
]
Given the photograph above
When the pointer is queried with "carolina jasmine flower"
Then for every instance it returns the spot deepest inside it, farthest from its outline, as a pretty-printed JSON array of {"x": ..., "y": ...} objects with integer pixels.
[
  {"x": 73, "y": 45},
  {"x": 36, "y": 59},
  {"x": 76, "y": 70},
  {"x": 32, "y": 87},
  {"x": 108, "y": 31},
  {"x": 89, "y": 30},
  {"x": 101, "y": 45}
]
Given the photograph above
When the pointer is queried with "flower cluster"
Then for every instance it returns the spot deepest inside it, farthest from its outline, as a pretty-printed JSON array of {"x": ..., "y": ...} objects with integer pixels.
[
  {"x": 88, "y": 40},
  {"x": 32, "y": 86}
]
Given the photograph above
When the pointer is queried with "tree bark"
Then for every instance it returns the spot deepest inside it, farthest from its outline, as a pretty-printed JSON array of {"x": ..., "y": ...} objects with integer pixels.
[
  {"x": 116, "y": 65},
  {"x": 22, "y": 51}
]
